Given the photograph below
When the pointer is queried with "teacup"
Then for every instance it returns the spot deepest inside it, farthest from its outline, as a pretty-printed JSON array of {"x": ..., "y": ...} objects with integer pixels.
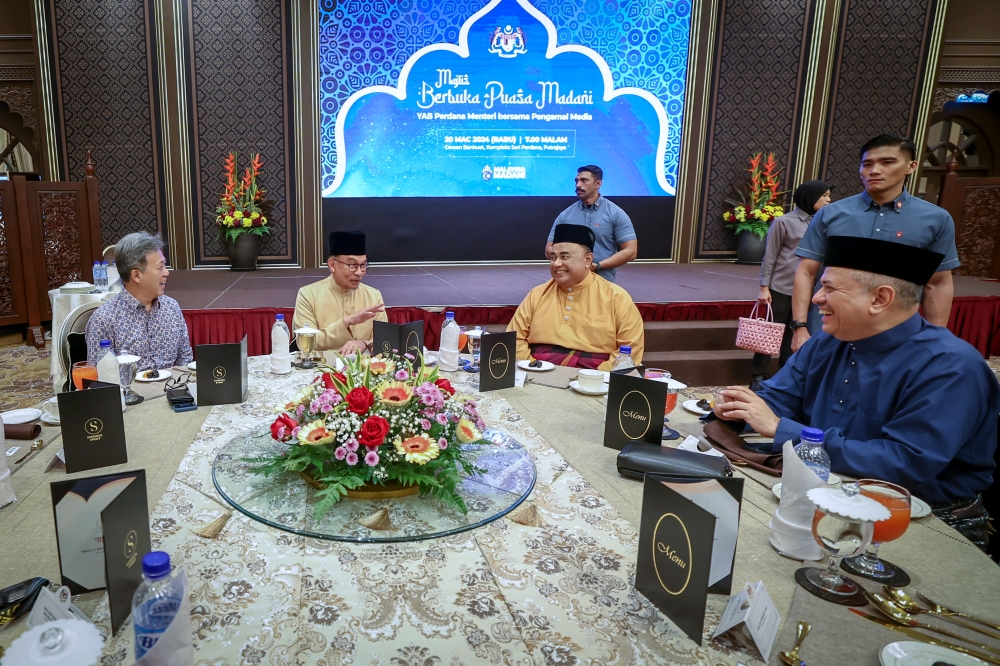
[
  {"x": 590, "y": 380},
  {"x": 51, "y": 408}
]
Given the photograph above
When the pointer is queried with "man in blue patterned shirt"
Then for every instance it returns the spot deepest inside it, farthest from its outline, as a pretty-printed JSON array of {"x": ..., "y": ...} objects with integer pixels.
[{"x": 140, "y": 319}]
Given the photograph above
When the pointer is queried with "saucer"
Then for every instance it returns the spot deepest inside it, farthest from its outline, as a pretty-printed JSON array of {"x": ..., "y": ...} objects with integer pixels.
[
  {"x": 50, "y": 420},
  {"x": 192, "y": 367},
  {"x": 18, "y": 416},
  {"x": 575, "y": 385},
  {"x": 545, "y": 367},
  {"x": 160, "y": 376},
  {"x": 905, "y": 653},
  {"x": 919, "y": 508},
  {"x": 692, "y": 406},
  {"x": 831, "y": 481}
]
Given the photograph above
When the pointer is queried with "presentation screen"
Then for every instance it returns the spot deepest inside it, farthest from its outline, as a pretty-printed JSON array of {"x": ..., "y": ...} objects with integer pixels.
[{"x": 508, "y": 98}]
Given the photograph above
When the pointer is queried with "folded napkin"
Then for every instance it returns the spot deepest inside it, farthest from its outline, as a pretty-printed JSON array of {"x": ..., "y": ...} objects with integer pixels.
[
  {"x": 723, "y": 437},
  {"x": 22, "y": 431},
  {"x": 791, "y": 527},
  {"x": 690, "y": 443}
]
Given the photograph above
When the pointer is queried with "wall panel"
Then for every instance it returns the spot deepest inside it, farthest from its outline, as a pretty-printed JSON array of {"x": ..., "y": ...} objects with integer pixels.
[{"x": 238, "y": 73}]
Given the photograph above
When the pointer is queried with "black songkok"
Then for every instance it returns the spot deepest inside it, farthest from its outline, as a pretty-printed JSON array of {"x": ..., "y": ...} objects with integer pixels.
[
  {"x": 872, "y": 255},
  {"x": 574, "y": 233},
  {"x": 347, "y": 242}
]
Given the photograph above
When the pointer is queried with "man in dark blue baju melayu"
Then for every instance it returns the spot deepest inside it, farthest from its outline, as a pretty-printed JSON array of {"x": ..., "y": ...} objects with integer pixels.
[{"x": 898, "y": 398}]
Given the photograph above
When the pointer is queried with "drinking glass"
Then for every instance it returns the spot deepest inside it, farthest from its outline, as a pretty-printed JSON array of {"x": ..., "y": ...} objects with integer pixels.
[
  {"x": 660, "y": 375},
  {"x": 463, "y": 338},
  {"x": 83, "y": 370},
  {"x": 840, "y": 537},
  {"x": 897, "y": 500},
  {"x": 126, "y": 373},
  {"x": 307, "y": 343},
  {"x": 475, "y": 345}
]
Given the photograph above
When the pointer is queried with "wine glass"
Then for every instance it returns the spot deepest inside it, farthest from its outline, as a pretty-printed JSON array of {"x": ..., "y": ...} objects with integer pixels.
[
  {"x": 840, "y": 536},
  {"x": 83, "y": 370},
  {"x": 660, "y": 375},
  {"x": 475, "y": 345},
  {"x": 307, "y": 343},
  {"x": 897, "y": 500},
  {"x": 128, "y": 365}
]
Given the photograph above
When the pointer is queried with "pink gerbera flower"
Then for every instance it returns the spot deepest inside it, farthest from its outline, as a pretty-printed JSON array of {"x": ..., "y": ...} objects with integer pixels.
[
  {"x": 371, "y": 458},
  {"x": 442, "y": 443},
  {"x": 340, "y": 453},
  {"x": 352, "y": 458}
]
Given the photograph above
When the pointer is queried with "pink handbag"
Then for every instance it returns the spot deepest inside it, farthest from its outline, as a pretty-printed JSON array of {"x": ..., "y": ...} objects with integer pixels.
[{"x": 760, "y": 335}]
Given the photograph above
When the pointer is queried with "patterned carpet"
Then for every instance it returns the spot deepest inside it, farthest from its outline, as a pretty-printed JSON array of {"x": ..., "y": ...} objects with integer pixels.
[{"x": 24, "y": 376}]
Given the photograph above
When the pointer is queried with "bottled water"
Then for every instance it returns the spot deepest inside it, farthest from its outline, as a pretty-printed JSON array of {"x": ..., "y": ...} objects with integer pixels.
[
  {"x": 104, "y": 275},
  {"x": 156, "y": 601},
  {"x": 111, "y": 275},
  {"x": 107, "y": 364},
  {"x": 810, "y": 451},
  {"x": 624, "y": 361},
  {"x": 448, "y": 348},
  {"x": 97, "y": 274},
  {"x": 279, "y": 336}
]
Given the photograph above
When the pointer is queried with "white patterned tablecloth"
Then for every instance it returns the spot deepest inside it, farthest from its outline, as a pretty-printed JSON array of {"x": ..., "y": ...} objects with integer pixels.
[{"x": 501, "y": 594}]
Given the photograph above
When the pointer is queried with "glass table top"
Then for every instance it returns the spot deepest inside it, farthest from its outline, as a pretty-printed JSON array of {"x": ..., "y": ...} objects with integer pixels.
[{"x": 286, "y": 501}]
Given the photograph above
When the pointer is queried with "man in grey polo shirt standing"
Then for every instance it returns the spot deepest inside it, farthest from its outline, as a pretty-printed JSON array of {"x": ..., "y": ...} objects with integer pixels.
[
  {"x": 616, "y": 243},
  {"x": 885, "y": 210}
]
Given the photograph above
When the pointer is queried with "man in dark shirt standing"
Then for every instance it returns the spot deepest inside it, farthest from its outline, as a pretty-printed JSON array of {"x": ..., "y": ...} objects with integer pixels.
[{"x": 886, "y": 211}]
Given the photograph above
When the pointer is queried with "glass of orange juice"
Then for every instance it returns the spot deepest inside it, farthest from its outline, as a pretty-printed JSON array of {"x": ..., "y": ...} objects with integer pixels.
[
  {"x": 83, "y": 370},
  {"x": 897, "y": 500},
  {"x": 463, "y": 338}
]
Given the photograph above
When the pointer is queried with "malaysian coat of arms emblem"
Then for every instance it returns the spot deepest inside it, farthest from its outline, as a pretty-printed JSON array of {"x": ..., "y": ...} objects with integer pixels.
[{"x": 508, "y": 42}]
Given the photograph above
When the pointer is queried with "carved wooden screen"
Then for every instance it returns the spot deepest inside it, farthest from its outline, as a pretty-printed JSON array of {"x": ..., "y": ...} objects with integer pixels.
[
  {"x": 13, "y": 309},
  {"x": 974, "y": 204}
]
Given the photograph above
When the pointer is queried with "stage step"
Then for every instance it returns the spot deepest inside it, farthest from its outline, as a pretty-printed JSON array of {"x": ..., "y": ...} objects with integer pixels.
[
  {"x": 706, "y": 368},
  {"x": 670, "y": 336}
]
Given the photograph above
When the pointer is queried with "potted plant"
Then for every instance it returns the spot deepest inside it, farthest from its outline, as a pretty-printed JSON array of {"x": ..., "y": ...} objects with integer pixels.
[
  {"x": 242, "y": 213},
  {"x": 757, "y": 203}
]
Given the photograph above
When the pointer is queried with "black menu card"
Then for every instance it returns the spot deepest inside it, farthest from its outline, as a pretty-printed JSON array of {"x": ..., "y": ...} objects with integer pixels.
[
  {"x": 404, "y": 338},
  {"x": 102, "y": 532},
  {"x": 222, "y": 373},
  {"x": 497, "y": 361},
  {"x": 687, "y": 546},
  {"x": 635, "y": 411},
  {"x": 93, "y": 430}
]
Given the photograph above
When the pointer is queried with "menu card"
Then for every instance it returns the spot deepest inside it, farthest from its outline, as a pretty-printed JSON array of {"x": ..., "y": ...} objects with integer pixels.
[
  {"x": 222, "y": 373},
  {"x": 93, "y": 430},
  {"x": 498, "y": 361},
  {"x": 399, "y": 338},
  {"x": 635, "y": 411},
  {"x": 687, "y": 546},
  {"x": 102, "y": 532}
]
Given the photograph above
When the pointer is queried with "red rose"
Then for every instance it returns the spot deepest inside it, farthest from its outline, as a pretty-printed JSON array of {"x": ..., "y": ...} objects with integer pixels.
[
  {"x": 359, "y": 400},
  {"x": 373, "y": 431},
  {"x": 281, "y": 429},
  {"x": 444, "y": 385},
  {"x": 328, "y": 378}
]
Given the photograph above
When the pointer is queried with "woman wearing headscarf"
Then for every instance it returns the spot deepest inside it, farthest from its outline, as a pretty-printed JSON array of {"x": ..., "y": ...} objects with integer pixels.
[{"x": 777, "y": 271}]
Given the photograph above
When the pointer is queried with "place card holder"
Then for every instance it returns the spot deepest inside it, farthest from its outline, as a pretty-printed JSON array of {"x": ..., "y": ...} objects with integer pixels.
[
  {"x": 403, "y": 338},
  {"x": 93, "y": 430},
  {"x": 687, "y": 545},
  {"x": 498, "y": 361},
  {"x": 634, "y": 412},
  {"x": 102, "y": 534},
  {"x": 222, "y": 373}
]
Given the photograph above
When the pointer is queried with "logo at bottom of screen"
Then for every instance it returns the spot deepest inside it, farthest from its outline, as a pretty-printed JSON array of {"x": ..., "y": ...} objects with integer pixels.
[{"x": 505, "y": 172}]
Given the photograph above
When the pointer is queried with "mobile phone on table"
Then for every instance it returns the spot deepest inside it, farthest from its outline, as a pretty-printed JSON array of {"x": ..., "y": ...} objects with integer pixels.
[{"x": 189, "y": 407}]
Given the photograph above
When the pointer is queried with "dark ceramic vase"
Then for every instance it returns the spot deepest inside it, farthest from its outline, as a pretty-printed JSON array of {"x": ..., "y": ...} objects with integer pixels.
[
  {"x": 243, "y": 252},
  {"x": 750, "y": 248}
]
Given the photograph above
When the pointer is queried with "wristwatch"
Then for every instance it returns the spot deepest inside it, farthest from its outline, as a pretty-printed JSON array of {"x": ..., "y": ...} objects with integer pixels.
[
  {"x": 796, "y": 325},
  {"x": 597, "y": 265}
]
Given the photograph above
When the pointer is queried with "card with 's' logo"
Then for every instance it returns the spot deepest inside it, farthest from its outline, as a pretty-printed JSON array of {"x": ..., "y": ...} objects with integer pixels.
[{"x": 93, "y": 430}]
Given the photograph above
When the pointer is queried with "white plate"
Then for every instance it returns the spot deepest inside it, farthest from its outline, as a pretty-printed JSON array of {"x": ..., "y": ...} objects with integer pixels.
[
  {"x": 692, "y": 406},
  {"x": 575, "y": 385},
  {"x": 919, "y": 508},
  {"x": 546, "y": 366},
  {"x": 161, "y": 375},
  {"x": 831, "y": 481},
  {"x": 16, "y": 416},
  {"x": 912, "y": 653},
  {"x": 192, "y": 366}
]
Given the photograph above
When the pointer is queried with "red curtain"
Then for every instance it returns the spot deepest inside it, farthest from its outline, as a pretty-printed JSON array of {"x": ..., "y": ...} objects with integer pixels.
[{"x": 975, "y": 319}]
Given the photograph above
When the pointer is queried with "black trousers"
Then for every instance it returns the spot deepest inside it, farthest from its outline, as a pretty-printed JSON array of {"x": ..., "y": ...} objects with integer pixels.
[{"x": 781, "y": 307}]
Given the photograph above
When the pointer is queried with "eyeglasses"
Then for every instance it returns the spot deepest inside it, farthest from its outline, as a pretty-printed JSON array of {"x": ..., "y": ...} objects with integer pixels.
[
  {"x": 180, "y": 381},
  {"x": 351, "y": 268}
]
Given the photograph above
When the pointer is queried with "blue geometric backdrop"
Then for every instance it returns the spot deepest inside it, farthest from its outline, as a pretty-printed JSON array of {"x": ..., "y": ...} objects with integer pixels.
[{"x": 366, "y": 42}]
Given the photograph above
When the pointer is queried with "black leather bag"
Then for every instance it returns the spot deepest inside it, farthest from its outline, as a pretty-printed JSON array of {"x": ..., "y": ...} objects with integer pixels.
[
  {"x": 638, "y": 459},
  {"x": 179, "y": 396}
]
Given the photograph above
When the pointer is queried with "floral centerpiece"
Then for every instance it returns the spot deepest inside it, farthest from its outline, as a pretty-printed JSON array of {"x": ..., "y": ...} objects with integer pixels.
[
  {"x": 758, "y": 200},
  {"x": 378, "y": 422},
  {"x": 242, "y": 208}
]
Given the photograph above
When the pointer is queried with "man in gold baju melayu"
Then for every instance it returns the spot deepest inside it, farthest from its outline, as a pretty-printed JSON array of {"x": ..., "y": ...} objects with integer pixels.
[
  {"x": 340, "y": 306},
  {"x": 576, "y": 319}
]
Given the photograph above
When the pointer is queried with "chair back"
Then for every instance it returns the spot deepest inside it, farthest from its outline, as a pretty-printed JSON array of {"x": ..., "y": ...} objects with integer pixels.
[
  {"x": 75, "y": 322},
  {"x": 109, "y": 253}
]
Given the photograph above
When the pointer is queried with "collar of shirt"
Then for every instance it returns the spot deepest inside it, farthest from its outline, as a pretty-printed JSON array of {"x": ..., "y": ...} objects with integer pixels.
[
  {"x": 894, "y": 337},
  {"x": 593, "y": 206},
  {"x": 337, "y": 289},
  {"x": 579, "y": 287},
  {"x": 133, "y": 303},
  {"x": 896, "y": 204}
]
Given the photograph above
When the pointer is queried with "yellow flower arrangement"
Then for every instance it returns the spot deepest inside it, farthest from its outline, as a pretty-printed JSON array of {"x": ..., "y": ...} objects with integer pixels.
[
  {"x": 756, "y": 205},
  {"x": 242, "y": 208}
]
